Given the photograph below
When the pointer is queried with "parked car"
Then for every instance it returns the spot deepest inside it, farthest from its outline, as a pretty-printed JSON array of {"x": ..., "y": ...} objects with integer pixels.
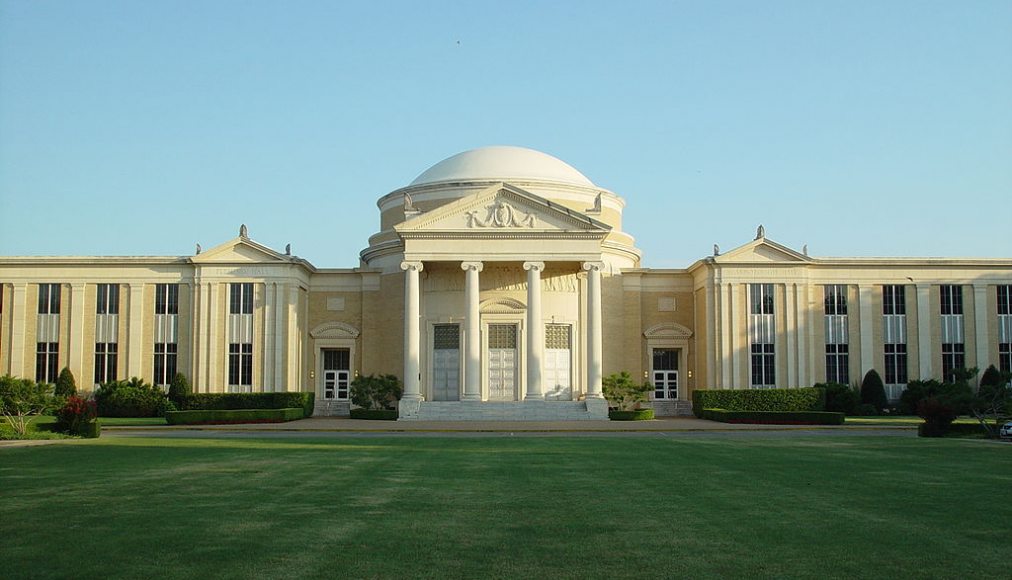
[{"x": 1005, "y": 432}]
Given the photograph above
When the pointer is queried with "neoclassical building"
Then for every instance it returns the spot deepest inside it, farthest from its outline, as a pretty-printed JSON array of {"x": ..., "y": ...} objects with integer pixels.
[{"x": 501, "y": 285}]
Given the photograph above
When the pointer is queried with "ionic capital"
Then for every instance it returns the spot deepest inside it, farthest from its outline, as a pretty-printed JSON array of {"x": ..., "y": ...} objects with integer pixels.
[
  {"x": 415, "y": 266},
  {"x": 476, "y": 266},
  {"x": 537, "y": 266},
  {"x": 593, "y": 266}
]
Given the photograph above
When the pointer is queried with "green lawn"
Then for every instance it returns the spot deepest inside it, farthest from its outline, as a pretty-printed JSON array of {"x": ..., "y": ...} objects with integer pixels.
[
  {"x": 507, "y": 507},
  {"x": 130, "y": 421},
  {"x": 898, "y": 420}
]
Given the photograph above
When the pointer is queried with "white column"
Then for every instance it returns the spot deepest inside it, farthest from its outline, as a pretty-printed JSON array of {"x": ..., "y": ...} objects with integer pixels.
[
  {"x": 294, "y": 340},
  {"x": 472, "y": 332},
  {"x": 535, "y": 332},
  {"x": 924, "y": 331},
  {"x": 594, "y": 350},
  {"x": 213, "y": 384},
  {"x": 867, "y": 348},
  {"x": 804, "y": 344},
  {"x": 17, "y": 340},
  {"x": 736, "y": 350},
  {"x": 980, "y": 324},
  {"x": 136, "y": 326},
  {"x": 77, "y": 347},
  {"x": 412, "y": 380}
]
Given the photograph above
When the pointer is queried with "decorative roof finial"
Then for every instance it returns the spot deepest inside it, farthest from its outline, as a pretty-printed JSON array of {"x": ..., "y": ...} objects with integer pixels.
[
  {"x": 288, "y": 249},
  {"x": 198, "y": 248},
  {"x": 804, "y": 249},
  {"x": 243, "y": 231},
  {"x": 760, "y": 232},
  {"x": 596, "y": 209},
  {"x": 409, "y": 204},
  {"x": 716, "y": 250}
]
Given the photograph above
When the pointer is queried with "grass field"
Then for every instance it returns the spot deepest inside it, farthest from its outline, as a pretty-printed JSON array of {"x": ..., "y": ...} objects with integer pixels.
[{"x": 507, "y": 507}]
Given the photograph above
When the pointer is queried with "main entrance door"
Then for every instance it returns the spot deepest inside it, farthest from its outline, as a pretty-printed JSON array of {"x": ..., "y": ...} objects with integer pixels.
[
  {"x": 446, "y": 362},
  {"x": 502, "y": 362},
  {"x": 557, "y": 381}
]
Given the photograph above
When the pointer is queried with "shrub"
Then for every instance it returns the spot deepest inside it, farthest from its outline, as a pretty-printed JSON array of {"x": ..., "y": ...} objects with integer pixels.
[
  {"x": 233, "y": 416},
  {"x": 915, "y": 392},
  {"x": 804, "y": 399},
  {"x": 841, "y": 398},
  {"x": 774, "y": 417},
  {"x": 992, "y": 404},
  {"x": 376, "y": 392},
  {"x": 22, "y": 401},
  {"x": 224, "y": 401},
  {"x": 992, "y": 377},
  {"x": 873, "y": 391},
  {"x": 937, "y": 417},
  {"x": 178, "y": 388},
  {"x": 133, "y": 398},
  {"x": 76, "y": 416},
  {"x": 624, "y": 393},
  {"x": 375, "y": 414},
  {"x": 66, "y": 386},
  {"x": 956, "y": 395},
  {"x": 868, "y": 409},
  {"x": 631, "y": 415}
]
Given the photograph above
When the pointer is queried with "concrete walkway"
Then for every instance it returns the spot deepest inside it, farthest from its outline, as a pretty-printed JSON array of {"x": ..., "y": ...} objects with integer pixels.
[{"x": 335, "y": 424}]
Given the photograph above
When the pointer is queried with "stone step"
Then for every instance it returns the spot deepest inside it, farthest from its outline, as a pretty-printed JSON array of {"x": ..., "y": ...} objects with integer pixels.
[{"x": 506, "y": 411}]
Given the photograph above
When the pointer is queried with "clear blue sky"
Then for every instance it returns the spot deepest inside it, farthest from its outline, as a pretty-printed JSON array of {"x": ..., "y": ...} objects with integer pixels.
[{"x": 859, "y": 128}]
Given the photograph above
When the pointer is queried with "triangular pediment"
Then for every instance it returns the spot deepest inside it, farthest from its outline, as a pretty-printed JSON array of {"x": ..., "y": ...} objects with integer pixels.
[
  {"x": 240, "y": 250},
  {"x": 502, "y": 209},
  {"x": 761, "y": 250}
]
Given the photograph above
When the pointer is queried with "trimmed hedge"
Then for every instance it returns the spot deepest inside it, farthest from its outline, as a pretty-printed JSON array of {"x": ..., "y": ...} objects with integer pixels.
[
  {"x": 774, "y": 417},
  {"x": 229, "y": 416},
  {"x": 634, "y": 415},
  {"x": 227, "y": 401},
  {"x": 374, "y": 414},
  {"x": 804, "y": 399}
]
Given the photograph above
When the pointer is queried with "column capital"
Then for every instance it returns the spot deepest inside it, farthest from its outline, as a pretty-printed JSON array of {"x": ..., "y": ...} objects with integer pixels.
[
  {"x": 537, "y": 266},
  {"x": 411, "y": 265},
  {"x": 476, "y": 266},
  {"x": 593, "y": 266}
]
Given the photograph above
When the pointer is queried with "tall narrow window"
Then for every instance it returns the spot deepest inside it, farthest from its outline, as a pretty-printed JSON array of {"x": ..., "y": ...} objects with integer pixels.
[
  {"x": 106, "y": 354},
  {"x": 47, "y": 359},
  {"x": 106, "y": 332},
  {"x": 837, "y": 334},
  {"x": 241, "y": 298},
  {"x": 166, "y": 332},
  {"x": 240, "y": 365},
  {"x": 1005, "y": 327},
  {"x": 167, "y": 299},
  {"x": 953, "y": 347},
  {"x": 165, "y": 362},
  {"x": 762, "y": 335},
  {"x": 49, "y": 298},
  {"x": 240, "y": 332},
  {"x": 894, "y": 317}
]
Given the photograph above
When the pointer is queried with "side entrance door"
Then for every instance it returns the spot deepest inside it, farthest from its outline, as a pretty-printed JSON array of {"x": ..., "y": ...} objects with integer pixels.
[
  {"x": 446, "y": 362},
  {"x": 502, "y": 362},
  {"x": 336, "y": 373},
  {"x": 665, "y": 373}
]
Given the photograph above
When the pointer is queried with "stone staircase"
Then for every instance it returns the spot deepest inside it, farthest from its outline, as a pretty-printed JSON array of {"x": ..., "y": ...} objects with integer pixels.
[
  {"x": 329, "y": 408},
  {"x": 672, "y": 408},
  {"x": 594, "y": 410}
]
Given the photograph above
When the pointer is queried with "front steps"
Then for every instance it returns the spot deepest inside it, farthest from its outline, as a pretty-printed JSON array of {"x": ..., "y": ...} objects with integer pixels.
[
  {"x": 591, "y": 410},
  {"x": 672, "y": 408}
]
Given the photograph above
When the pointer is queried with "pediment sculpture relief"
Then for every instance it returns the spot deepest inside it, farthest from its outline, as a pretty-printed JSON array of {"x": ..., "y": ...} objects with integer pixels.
[{"x": 500, "y": 215}]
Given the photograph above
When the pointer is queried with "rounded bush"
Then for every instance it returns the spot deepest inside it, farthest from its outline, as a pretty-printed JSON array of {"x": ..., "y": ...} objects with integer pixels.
[{"x": 634, "y": 415}]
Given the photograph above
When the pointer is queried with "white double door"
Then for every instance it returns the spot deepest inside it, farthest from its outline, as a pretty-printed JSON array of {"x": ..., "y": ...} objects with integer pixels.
[
  {"x": 502, "y": 362},
  {"x": 446, "y": 362}
]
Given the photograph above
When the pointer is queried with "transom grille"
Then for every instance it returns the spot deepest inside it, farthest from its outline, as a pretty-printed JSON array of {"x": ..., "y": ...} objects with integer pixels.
[
  {"x": 502, "y": 336},
  {"x": 557, "y": 336},
  {"x": 446, "y": 337}
]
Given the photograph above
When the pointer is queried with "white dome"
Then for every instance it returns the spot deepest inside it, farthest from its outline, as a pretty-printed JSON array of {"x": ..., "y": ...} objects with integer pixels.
[{"x": 502, "y": 163}]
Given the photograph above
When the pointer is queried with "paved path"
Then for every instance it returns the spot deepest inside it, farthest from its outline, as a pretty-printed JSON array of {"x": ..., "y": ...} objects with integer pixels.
[{"x": 338, "y": 427}]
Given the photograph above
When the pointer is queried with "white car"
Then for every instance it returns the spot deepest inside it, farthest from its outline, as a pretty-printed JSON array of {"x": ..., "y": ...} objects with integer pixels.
[{"x": 1005, "y": 432}]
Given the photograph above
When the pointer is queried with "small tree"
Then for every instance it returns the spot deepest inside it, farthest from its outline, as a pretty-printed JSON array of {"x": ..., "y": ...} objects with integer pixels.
[
  {"x": 840, "y": 398},
  {"x": 376, "y": 392},
  {"x": 624, "y": 393},
  {"x": 179, "y": 388},
  {"x": 22, "y": 400},
  {"x": 66, "y": 386},
  {"x": 873, "y": 391},
  {"x": 992, "y": 403}
]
